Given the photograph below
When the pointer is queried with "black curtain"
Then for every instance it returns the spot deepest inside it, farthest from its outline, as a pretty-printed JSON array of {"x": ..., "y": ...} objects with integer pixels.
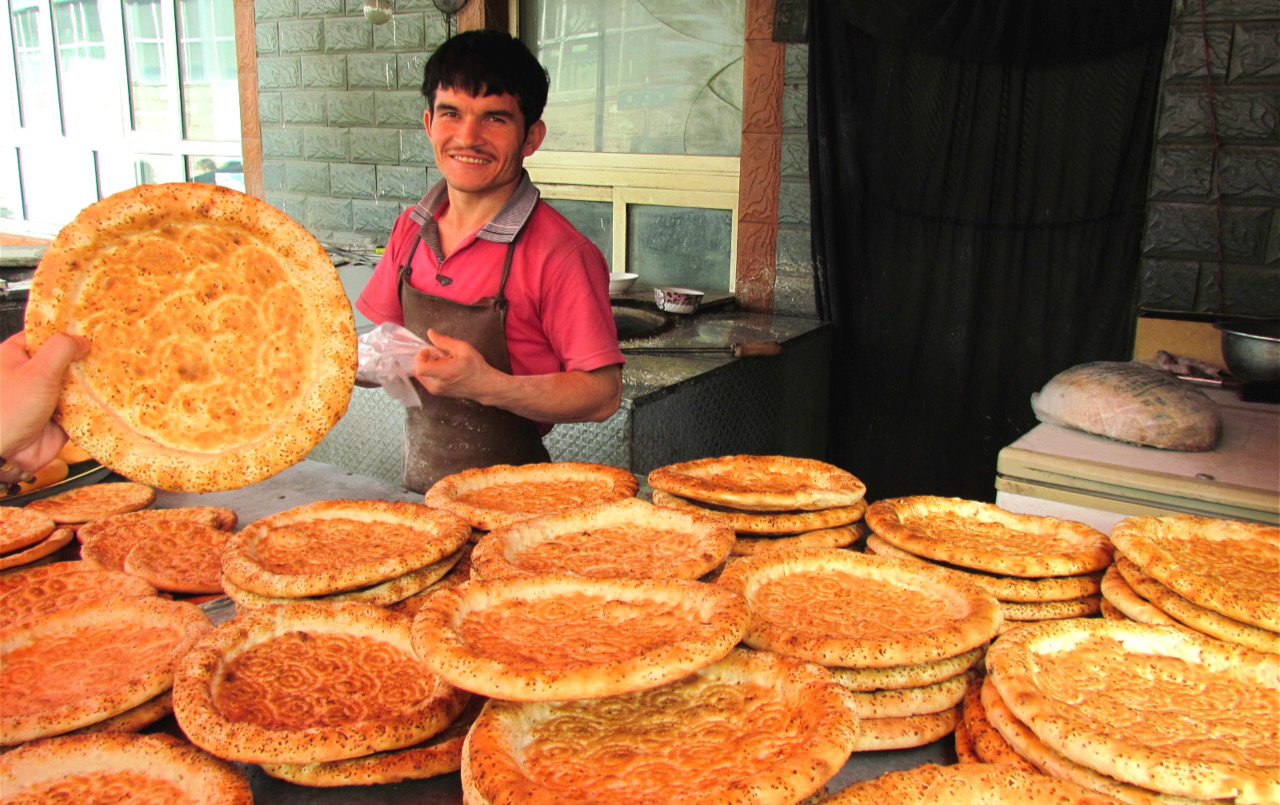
[{"x": 979, "y": 176}]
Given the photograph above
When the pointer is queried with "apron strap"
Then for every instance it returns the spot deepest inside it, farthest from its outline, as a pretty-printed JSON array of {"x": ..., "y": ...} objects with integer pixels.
[{"x": 499, "y": 301}]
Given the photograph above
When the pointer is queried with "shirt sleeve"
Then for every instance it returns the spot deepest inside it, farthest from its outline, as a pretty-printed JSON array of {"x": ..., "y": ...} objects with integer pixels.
[
  {"x": 380, "y": 299},
  {"x": 577, "y": 316}
]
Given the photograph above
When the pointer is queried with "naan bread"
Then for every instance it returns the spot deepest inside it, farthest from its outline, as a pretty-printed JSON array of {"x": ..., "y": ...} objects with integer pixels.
[
  {"x": 12, "y": 579},
  {"x": 336, "y": 546},
  {"x": 135, "y": 719},
  {"x": 963, "y": 744},
  {"x": 766, "y": 523},
  {"x": 57, "y": 591},
  {"x": 492, "y": 497},
  {"x": 628, "y": 538},
  {"x": 59, "y": 539},
  {"x": 918, "y": 701},
  {"x": 1228, "y": 566},
  {"x": 841, "y": 537},
  {"x": 966, "y": 784},
  {"x": 987, "y": 742},
  {"x": 981, "y": 536},
  {"x": 761, "y": 483},
  {"x": 181, "y": 560},
  {"x": 84, "y": 664},
  {"x": 383, "y": 594},
  {"x": 22, "y": 528},
  {"x": 547, "y": 638},
  {"x": 1117, "y": 697},
  {"x": 753, "y": 728},
  {"x": 306, "y": 683},
  {"x": 846, "y": 609},
  {"x": 1051, "y": 610},
  {"x": 907, "y": 676},
  {"x": 1119, "y": 594},
  {"x": 879, "y": 734},
  {"x": 106, "y": 769},
  {"x": 223, "y": 343},
  {"x": 94, "y": 501}
]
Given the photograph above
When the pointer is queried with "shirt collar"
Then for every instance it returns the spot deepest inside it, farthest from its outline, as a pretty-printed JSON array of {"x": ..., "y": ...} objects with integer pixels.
[{"x": 502, "y": 228}]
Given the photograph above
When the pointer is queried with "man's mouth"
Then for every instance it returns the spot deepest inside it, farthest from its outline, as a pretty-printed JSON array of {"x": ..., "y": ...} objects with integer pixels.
[{"x": 471, "y": 160}]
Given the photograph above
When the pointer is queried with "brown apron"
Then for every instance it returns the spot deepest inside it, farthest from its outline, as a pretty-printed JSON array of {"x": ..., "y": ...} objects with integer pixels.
[{"x": 446, "y": 435}]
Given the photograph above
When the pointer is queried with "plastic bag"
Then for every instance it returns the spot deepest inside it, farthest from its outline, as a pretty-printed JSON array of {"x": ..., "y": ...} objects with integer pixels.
[{"x": 385, "y": 356}]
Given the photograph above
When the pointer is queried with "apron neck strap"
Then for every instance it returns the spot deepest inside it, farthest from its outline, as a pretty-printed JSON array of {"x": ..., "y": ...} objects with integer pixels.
[{"x": 499, "y": 301}]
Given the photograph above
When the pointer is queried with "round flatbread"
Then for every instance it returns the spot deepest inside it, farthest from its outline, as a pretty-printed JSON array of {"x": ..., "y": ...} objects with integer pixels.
[
  {"x": 1051, "y": 610},
  {"x": 114, "y": 536},
  {"x": 59, "y": 539},
  {"x": 879, "y": 734},
  {"x": 382, "y": 594},
  {"x": 1117, "y": 592},
  {"x": 335, "y": 546},
  {"x": 439, "y": 754},
  {"x": 1196, "y": 617},
  {"x": 987, "y": 742},
  {"x": 753, "y": 728},
  {"x": 181, "y": 560},
  {"x": 766, "y": 523},
  {"x": 963, "y": 745},
  {"x": 1117, "y": 697},
  {"x": 841, "y": 537},
  {"x": 761, "y": 483},
  {"x": 261, "y": 687},
  {"x": 846, "y": 609},
  {"x": 1228, "y": 566},
  {"x": 628, "y": 538},
  {"x": 135, "y": 719},
  {"x": 103, "y": 769},
  {"x": 907, "y": 676},
  {"x": 1006, "y": 588},
  {"x": 223, "y": 342},
  {"x": 918, "y": 701},
  {"x": 967, "y": 784},
  {"x": 1034, "y": 751},
  {"x": 496, "y": 496},
  {"x": 559, "y": 637},
  {"x": 22, "y": 528},
  {"x": 56, "y": 591},
  {"x": 84, "y": 664},
  {"x": 980, "y": 536},
  {"x": 94, "y": 501}
]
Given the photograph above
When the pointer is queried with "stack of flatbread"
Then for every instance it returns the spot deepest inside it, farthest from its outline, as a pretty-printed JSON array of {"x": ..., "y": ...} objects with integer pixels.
[
  {"x": 370, "y": 551},
  {"x": 321, "y": 694},
  {"x": 30, "y": 592},
  {"x": 628, "y": 538},
  {"x": 502, "y": 494},
  {"x": 1145, "y": 714},
  {"x": 37, "y": 531},
  {"x": 1217, "y": 577},
  {"x": 94, "y": 663},
  {"x": 177, "y": 550},
  {"x": 769, "y": 501},
  {"x": 966, "y": 783},
  {"x": 977, "y": 740},
  {"x": 1038, "y": 568},
  {"x": 903, "y": 637}
]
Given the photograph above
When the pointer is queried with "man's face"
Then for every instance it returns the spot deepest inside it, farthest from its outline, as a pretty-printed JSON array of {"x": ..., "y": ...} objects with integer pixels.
[{"x": 480, "y": 142}]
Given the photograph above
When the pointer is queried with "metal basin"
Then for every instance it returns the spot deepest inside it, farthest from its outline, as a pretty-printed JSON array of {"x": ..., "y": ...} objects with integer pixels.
[{"x": 1251, "y": 349}]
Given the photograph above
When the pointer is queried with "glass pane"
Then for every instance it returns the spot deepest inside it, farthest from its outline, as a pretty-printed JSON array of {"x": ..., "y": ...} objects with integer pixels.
[
  {"x": 207, "y": 60},
  {"x": 121, "y": 170},
  {"x": 10, "y": 190},
  {"x": 216, "y": 170},
  {"x": 594, "y": 219},
  {"x": 684, "y": 246},
  {"x": 641, "y": 77},
  {"x": 66, "y": 182},
  {"x": 150, "y": 84},
  {"x": 90, "y": 95},
  {"x": 37, "y": 100}
]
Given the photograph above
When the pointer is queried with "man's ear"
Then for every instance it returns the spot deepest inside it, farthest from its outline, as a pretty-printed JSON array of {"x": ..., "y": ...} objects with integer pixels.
[
  {"x": 534, "y": 137},
  {"x": 426, "y": 121}
]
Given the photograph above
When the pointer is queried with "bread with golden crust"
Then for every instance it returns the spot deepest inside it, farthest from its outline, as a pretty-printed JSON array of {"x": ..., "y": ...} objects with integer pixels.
[
  {"x": 1117, "y": 592},
  {"x": 908, "y": 676},
  {"x": 761, "y": 483},
  {"x": 383, "y": 594},
  {"x": 22, "y": 528},
  {"x": 143, "y": 769},
  {"x": 753, "y": 728},
  {"x": 60, "y": 538},
  {"x": 967, "y": 784},
  {"x": 839, "y": 537},
  {"x": 89, "y": 662},
  {"x": 766, "y": 523},
  {"x": 846, "y": 609},
  {"x": 1117, "y": 697},
  {"x": 914, "y": 701},
  {"x": 261, "y": 687},
  {"x": 223, "y": 345},
  {"x": 502, "y": 494},
  {"x": 545, "y": 638},
  {"x": 981, "y": 536},
  {"x": 1228, "y": 566},
  {"x": 628, "y": 538},
  {"x": 56, "y": 591},
  {"x": 905, "y": 732},
  {"x": 334, "y": 546},
  {"x": 94, "y": 502}
]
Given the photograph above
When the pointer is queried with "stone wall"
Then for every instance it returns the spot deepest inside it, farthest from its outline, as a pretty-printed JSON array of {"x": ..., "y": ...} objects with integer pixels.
[{"x": 1187, "y": 225}]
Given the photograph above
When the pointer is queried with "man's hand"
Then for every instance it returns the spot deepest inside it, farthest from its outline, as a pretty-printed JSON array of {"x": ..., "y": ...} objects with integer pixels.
[
  {"x": 29, "y": 388},
  {"x": 450, "y": 367}
]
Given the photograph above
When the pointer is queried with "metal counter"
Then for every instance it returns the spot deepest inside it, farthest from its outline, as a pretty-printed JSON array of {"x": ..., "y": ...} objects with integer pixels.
[{"x": 310, "y": 481}]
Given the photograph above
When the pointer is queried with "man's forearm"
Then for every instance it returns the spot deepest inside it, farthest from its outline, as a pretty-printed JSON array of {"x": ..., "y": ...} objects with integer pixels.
[{"x": 561, "y": 397}]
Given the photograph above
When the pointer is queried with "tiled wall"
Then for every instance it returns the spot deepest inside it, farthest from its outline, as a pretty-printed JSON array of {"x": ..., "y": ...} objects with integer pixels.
[
  {"x": 1181, "y": 268},
  {"x": 793, "y": 278}
]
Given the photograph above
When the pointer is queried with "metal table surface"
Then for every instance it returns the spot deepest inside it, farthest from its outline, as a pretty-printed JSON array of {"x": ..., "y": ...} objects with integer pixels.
[{"x": 310, "y": 481}]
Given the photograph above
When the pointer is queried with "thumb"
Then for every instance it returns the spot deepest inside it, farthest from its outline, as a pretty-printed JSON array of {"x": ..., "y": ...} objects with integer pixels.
[
  {"x": 57, "y": 354},
  {"x": 444, "y": 342}
]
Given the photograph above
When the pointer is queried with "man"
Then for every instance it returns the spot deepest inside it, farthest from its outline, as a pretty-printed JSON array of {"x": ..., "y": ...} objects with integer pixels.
[
  {"x": 29, "y": 387},
  {"x": 513, "y": 301}
]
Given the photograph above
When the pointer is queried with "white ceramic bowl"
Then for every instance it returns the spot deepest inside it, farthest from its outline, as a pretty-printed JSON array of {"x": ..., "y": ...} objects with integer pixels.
[
  {"x": 621, "y": 283},
  {"x": 677, "y": 300}
]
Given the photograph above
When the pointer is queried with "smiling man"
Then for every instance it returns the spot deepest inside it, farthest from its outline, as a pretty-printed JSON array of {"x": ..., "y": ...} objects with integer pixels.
[{"x": 512, "y": 300}]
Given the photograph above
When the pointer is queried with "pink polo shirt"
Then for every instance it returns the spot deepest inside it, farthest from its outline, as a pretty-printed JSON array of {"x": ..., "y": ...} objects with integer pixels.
[{"x": 558, "y": 315}]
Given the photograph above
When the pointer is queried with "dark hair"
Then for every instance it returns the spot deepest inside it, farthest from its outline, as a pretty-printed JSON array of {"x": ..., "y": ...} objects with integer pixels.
[{"x": 488, "y": 63}]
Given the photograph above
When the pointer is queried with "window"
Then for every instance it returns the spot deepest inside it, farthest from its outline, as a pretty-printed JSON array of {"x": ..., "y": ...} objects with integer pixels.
[
  {"x": 644, "y": 123},
  {"x": 102, "y": 95}
]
